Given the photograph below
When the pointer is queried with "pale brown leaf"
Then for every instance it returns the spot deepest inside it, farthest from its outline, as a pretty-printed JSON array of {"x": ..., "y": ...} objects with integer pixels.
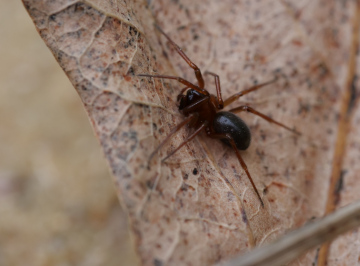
[{"x": 198, "y": 207}]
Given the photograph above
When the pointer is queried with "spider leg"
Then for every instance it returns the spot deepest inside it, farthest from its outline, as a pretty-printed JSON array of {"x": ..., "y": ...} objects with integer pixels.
[
  {"x": 236, "y": 96},
  {"x": 191, "y": 119},
  {"x": 187, "y": 60},
  {"x": 220, "y": 101},
  {"x": 240, "y": 159},
  {"x": 252, "y": 110},
  {"x": 189, "y": 138},
  {"x": 181, "y": 80},
  {"x": 192, "y": 107}
]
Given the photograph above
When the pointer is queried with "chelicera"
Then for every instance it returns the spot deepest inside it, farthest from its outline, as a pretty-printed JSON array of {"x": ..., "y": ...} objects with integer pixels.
[{"x": 203, "y": 113}]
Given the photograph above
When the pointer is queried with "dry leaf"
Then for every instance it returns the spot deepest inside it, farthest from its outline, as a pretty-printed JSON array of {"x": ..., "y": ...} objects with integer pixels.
[{"x": 198, "y": 207}]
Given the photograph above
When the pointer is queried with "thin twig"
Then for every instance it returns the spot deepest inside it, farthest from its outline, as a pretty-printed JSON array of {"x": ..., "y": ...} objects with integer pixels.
[{"x": 294, "y": 244}]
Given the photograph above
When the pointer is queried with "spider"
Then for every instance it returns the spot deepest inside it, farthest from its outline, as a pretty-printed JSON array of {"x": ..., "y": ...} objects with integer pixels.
[{"x": 202, "y": 112}]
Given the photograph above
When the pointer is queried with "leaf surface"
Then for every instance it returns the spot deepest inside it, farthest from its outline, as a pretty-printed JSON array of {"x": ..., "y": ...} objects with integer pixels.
[{"x": 198, "y": 207}]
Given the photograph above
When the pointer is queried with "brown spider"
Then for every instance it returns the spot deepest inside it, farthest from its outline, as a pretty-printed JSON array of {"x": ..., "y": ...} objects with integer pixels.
[{"x": 201, "y": 110}]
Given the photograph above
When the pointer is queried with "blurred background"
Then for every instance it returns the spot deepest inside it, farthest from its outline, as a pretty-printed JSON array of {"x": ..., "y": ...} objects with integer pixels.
[{"x": 57, "y": 200}]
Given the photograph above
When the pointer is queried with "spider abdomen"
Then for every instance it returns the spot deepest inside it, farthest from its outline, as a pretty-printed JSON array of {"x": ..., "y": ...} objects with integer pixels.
[{"x": 229, "y": 123}]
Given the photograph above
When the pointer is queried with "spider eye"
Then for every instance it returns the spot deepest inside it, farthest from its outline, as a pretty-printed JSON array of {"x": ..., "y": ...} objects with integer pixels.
[
  {"x": 190, "y": 97},
  {"x": 193, "y": 95}
]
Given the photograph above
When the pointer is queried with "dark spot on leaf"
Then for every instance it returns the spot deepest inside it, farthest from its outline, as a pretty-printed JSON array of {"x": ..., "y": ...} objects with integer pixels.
[
  {"x": 316, "y": 257},
  {"x": 184, "y": 187},
  {"x": 312, "y": 218},
  {"x": 263, "y": 136},
  {"x": 181, "y": 28},
  {"x": 158, "y": 262},
  {"x": 230, "y": 196},
  {"x": 150, "y": 184},
  {"x": 244, "y": 216},
  {"x": 132, "y": 31},
  {"x": 265, "y": 191},
  {"x": 339, "y": 186},
  {"x": 165, "y": 54},
  {"x": 353, "y": 95},
  {"x": 130, "y": 71}
]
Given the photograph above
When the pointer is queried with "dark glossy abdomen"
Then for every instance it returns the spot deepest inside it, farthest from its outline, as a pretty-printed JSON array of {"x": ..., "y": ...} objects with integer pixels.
[{"x": 231, "y": 124}]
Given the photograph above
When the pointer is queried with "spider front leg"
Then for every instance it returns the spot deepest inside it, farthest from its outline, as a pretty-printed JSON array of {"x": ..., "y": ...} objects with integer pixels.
[
  {"x": 188, "y": 84},
  {"x": 189, "y": 138},
  {"x": 187, "y": 60},
  {"x": 191, "y": 119},
  {"x": 267, "y": 118},
  {"x": 236, "y": 96},
  {"x": 240, "y": 159},
  {"x": 220, "y": 101}
]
